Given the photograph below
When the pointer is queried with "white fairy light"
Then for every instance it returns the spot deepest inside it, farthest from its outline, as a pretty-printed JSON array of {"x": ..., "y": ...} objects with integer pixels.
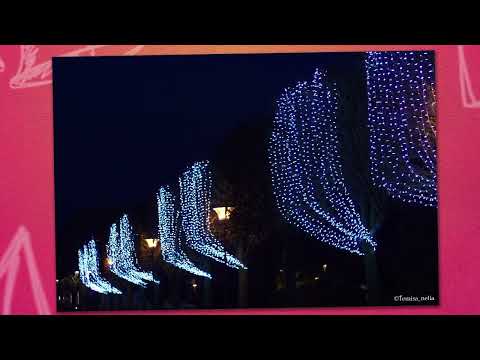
[
  {"x": 121, "y": 254},
  {"x": 308, "y": 181},
  {"x": 89, "y": 270},
  {"x": 402, "y": 124},
  {"x": 195, "y": 195},
  {"x": 168, "y": 226}
]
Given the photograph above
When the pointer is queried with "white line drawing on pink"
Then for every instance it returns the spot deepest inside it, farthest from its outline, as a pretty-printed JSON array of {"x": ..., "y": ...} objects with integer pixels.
[
  {"x": 134, "y": 50},
  {"x": 9, "y": 264},
  {"x": 468, "y": 95},
  {"x": 30, "y": 74},
  {"x": 2, "y": 65}
]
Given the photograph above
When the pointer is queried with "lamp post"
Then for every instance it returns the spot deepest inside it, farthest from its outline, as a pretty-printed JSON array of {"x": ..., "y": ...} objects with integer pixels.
[
  {"x": 152, "y": 244},
  {"x": 223, "y": 214},
  {"x": 77, "y": 287}
]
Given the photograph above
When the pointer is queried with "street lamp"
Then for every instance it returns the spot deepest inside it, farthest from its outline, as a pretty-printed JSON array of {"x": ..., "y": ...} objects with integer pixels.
[
  {"x": 152, "y": 244},
  {"x": 223, "y": 213}
]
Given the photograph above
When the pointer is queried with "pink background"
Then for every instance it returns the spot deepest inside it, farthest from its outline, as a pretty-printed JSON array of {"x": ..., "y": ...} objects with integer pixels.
[{"x": 27, "y": 239}]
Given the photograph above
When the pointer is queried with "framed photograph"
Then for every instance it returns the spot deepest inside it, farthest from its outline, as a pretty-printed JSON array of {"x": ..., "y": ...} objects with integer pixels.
[{"x": 245, "y": 181}]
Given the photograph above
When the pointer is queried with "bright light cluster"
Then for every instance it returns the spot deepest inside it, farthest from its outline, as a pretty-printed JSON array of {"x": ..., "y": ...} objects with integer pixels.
[
  {"x": 89, "y": 269},
  {"x": 307, "y": 175},
  {"x": 121, "y": 254},
  {"x": 168, "y": 228},
  {"x": 195, "y": 195},
  {"x": 402, "y": 124}
]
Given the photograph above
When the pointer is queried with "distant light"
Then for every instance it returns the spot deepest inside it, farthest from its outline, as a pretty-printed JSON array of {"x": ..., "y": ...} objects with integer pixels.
[
  {"x": 109, "y": 261},
  {"x": 151, "y": 242},
  {"x": 324, "y": 267},
  {"x": 57, "y": 280},
  {"x": 194, "y": 285},
  {"x": 281, "y": 270},
  {"x": 316, "y": 278},
  {"x": 76, "y": 308},
  {"x": 77, "y": 272},
  {"x": 223, "y": 213}
]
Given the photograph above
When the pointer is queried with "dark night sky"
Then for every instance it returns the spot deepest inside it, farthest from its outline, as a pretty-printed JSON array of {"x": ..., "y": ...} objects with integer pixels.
[{"x": 124, "y": 126}]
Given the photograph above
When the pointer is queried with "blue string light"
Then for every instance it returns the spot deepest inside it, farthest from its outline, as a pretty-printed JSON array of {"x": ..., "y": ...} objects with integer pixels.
[
  {"x": 402, "y": 125},
  {"x": 89, "y": 270},
  {"x": 308, "y": 181},
  {"x": 195, "y": 195},
  {"x": 168, "y": 224},
  {"x": 121, "y": 253}
]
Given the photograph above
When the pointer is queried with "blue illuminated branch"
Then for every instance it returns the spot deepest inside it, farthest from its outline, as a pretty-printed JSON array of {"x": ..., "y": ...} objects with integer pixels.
[
  {"x": 195, "y": 195},
  {"x": 89, "y": 269},
  {"x": 402, "y": 125},
  {"x": 121, "y": 252},
  {"x": 308, "y": 181},
  {"x": 168, "y": 225}
]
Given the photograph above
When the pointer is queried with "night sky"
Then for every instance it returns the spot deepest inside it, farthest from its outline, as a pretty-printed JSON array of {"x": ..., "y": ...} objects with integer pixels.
[{"x": 124, "y": 126}]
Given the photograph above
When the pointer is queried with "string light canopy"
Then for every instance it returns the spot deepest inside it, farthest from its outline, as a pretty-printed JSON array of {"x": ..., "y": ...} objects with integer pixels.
[
  {"x": 195, "y": 195},
  {"x": 309, "y": 186},
  {"x": 402, "y": 124},
  {"x": 121, "y": 252},
  {"x": 89, "y": 270},
  {"x": 168, "y": 226}
]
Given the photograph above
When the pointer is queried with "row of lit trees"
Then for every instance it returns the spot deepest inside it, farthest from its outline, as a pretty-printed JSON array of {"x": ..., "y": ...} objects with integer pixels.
[
  {"x": 311, "y": 183},
  {"x": 184, "y": 222}
]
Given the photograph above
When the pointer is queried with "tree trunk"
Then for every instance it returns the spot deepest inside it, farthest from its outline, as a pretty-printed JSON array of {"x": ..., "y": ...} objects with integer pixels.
[
  {"x": 290, "y": 273},
  {"x": 129, "y": 297},
  {"x": 242, "y": 280},
  {"x": 373, "y": 220},
  {"x": 175, "y": 288},
  {"x": 371, "y": 275},
  {"x": 207, "y": 288}
]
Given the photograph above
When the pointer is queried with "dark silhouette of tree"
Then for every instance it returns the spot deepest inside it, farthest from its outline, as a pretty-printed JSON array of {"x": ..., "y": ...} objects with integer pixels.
[{"x": 241, "y": 181}]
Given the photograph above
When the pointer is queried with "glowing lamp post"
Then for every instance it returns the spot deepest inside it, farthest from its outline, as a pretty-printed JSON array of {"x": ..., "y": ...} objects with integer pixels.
[
  {"x": 223, "y": 213},
  {"x": 152, "y": 244}
]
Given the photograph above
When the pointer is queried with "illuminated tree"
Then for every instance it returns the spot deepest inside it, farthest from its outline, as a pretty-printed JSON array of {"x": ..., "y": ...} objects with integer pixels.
[
  {"x": 89, "y": 270},
  {"x": 253, "y": 220},
  {"x": 168, "y": 229},
  {"x": 195, "y": 196},
  {"x": 122, "y": 257},
  {"x": 402, "y": 125},
  {"x": 307, "y": 170}
]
